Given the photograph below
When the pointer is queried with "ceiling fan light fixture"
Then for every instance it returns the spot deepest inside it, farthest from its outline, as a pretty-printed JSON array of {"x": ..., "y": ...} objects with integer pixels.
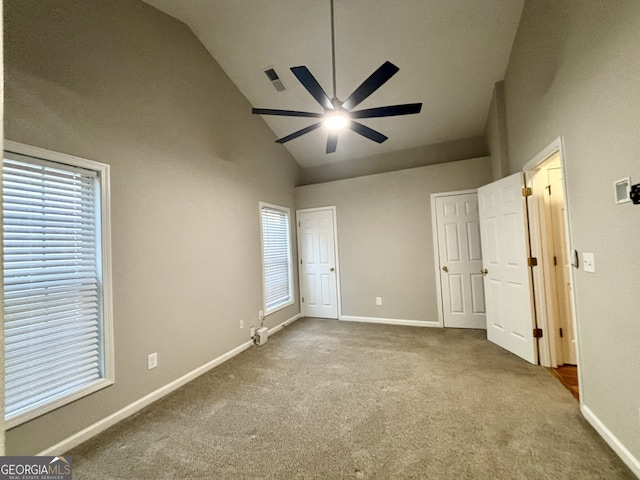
[
  {"x": 339, "y": 115},
  {"x": 336, "y": 121}
]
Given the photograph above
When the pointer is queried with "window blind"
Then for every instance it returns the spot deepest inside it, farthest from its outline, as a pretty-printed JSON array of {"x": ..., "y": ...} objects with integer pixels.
[
  {"x": 52, "y": 282},
  {"x": 276, "y": 251}
]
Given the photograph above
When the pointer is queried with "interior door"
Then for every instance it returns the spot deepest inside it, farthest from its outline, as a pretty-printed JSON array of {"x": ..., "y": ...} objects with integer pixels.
[
  {"x": 556, "y": 205},
  {"x": 318, "y": 269},
  {"x": 507, "y": 280},
  {"x": 460, "y": 260}
]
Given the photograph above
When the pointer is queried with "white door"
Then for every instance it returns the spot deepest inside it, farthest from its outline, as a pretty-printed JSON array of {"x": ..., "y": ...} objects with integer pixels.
[
  {"x": 507, "y": 281},
  {"x": 460, "y": 261},
  {"x": 318, "y": 269},
  {"x": 555, "y": 203}
]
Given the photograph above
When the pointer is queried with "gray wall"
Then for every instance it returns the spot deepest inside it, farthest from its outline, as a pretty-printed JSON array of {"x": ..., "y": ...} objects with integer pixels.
[
  {"x": 574, "y": 71},
  {"x": 495, "y": 132},
  {"x": 121, "y": 83},
  {"x": 385, "y": 235},
  {"x": 450, "y": 151}
]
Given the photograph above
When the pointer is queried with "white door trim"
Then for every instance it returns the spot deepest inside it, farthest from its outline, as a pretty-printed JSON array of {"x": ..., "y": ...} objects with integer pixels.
[
  {"x": 335, "y": 245},
  {"x": 436, "y": 253},
  {"x": 557, "y": 146}
]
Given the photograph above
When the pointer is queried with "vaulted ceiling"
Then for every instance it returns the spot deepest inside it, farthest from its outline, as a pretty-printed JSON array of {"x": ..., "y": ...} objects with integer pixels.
[{"x": 450, "y": 54}]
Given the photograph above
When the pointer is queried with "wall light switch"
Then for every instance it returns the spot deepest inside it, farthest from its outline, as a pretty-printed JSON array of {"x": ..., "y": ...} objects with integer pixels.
[
  {"x": 588, "y": 262},
  {"x": 378, "y": 300}
]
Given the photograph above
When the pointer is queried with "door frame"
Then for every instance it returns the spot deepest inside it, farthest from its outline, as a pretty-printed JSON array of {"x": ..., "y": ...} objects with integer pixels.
[
  {"x": 547, "y": 342},
  {"x": 436, "y": 251},
  {"x": 334, "y": 212}
]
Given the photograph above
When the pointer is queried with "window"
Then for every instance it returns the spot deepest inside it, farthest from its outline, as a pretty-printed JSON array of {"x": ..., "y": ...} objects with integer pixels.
[
  {"x": 276, "y": 257},
  {"x": 57, "y": 289}
]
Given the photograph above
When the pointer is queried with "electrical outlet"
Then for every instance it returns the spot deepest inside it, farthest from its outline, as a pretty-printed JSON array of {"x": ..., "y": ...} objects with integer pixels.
[
  {"x": 253, "y": 332},
  {"x": 241, "y": 323},
  {"x": 260, "y": 315},
  {"x": 378, "y": 300},
  {"x": 152, "y": 361}
]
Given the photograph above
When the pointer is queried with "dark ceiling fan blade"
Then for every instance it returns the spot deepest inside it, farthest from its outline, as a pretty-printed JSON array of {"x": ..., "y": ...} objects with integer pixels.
[
  {"x": 332, "y": 142},
  {"x": 371, "y": 84},
  {"x": 309, "y": 82},
  {"x": 367, "y": 132},
  {"x": 285, "y": 113},
  {"x": 299, "y": 133},
  {"x": 388, "y": 111}
]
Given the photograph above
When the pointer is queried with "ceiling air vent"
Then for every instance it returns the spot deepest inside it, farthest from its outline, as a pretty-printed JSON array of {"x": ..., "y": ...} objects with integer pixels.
[{"x": 275, "y": 79}]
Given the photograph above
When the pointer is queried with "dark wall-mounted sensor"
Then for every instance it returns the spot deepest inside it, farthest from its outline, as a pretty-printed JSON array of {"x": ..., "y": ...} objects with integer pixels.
[{"x": 635, "y": 193}]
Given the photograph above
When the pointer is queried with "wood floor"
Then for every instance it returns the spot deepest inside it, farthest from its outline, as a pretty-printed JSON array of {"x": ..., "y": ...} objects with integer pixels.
[{"x": 568, "y": 376}]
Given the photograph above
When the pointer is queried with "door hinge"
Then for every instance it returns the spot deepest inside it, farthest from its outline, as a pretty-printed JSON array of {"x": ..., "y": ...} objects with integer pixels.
[
  {"x": 300, "y": 261},
  {"x": 555, "y": 260},
  {"x": 537, "y": 333},
  {"x": 302, "y": 299},
  {"x": 526, "y": 192},
  {"x": 561, "y": 335},
  {"x": 532, "y": 261}
]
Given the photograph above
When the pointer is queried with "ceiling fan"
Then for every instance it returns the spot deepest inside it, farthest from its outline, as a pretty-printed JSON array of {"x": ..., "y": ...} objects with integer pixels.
[{"x": 337, "y": 114}]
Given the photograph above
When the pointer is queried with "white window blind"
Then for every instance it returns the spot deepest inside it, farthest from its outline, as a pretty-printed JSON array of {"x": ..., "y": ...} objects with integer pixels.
[
  {"x": 276, "y": 255},
  {"x": 53, "y": 292}
]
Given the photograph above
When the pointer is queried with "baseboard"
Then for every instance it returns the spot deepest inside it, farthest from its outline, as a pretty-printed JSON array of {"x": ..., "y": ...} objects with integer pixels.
[
  {"x": 102, "y": 425},
  {"x": 627, "y": 457},
  {"x": 390, "y": 321},
  {"x": 277, "y": 328}
]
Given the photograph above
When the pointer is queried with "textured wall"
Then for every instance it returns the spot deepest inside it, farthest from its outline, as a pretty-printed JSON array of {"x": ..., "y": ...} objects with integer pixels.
[
  {"x": 574, "y": 72},
  {"x": 451, "y": 151},
  {"x": 121, "y": 83},
  {"x": 385, "y": 237},
  {"x": 495, "y": 133}
]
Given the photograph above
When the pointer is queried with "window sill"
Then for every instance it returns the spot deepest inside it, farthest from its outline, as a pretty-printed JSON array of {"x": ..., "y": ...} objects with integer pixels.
[
  {"x": 47, "y": 407},
  {"x": 277, "y": 308}
]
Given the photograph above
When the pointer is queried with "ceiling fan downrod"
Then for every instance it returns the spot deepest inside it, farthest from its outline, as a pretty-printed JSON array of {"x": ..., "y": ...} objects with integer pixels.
[{"x": 333, "y": 54}]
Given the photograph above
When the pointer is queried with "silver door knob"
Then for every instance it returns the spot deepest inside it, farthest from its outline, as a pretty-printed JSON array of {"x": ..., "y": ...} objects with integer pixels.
[
  {"x": 445, "y": 269},
  {"x": 484, "y": 271}
]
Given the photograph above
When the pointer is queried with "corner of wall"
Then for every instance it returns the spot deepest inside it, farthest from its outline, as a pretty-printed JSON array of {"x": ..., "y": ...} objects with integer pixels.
[{"x": 495, "y": 133}]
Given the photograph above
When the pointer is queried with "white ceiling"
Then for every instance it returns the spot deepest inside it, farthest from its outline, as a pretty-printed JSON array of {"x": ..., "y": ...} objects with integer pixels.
[{"x": 450, "y": 54}]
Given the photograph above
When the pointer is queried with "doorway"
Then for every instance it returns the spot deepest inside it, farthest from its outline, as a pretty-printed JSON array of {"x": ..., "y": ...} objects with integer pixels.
[
  {"x": 548, "y": 229},
  {"x": 318, "y": 268}
]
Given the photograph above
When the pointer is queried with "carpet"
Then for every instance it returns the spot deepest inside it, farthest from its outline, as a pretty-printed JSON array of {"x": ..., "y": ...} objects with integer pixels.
[{"x": 331, "y": 399}]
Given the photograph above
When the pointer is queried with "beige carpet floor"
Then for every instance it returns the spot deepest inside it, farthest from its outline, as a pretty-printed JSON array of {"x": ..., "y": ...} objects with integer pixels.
[{"x": 334, "y": 400}]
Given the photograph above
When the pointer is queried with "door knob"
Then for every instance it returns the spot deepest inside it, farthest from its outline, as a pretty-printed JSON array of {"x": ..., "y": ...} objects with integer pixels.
[
  {"x": 484, "y": 271},
  {"x": 445, "y": 268},
  {"x": 331, "y": 269}
]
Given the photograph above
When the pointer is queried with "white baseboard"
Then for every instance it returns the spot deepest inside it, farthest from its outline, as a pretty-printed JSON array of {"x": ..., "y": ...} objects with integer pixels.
[
  {"x": 102, "y": 425},
  {"x": 627, "y": 457},
  {"x": 390, "y": 321},
  {"x": 277, "y": 328}
]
